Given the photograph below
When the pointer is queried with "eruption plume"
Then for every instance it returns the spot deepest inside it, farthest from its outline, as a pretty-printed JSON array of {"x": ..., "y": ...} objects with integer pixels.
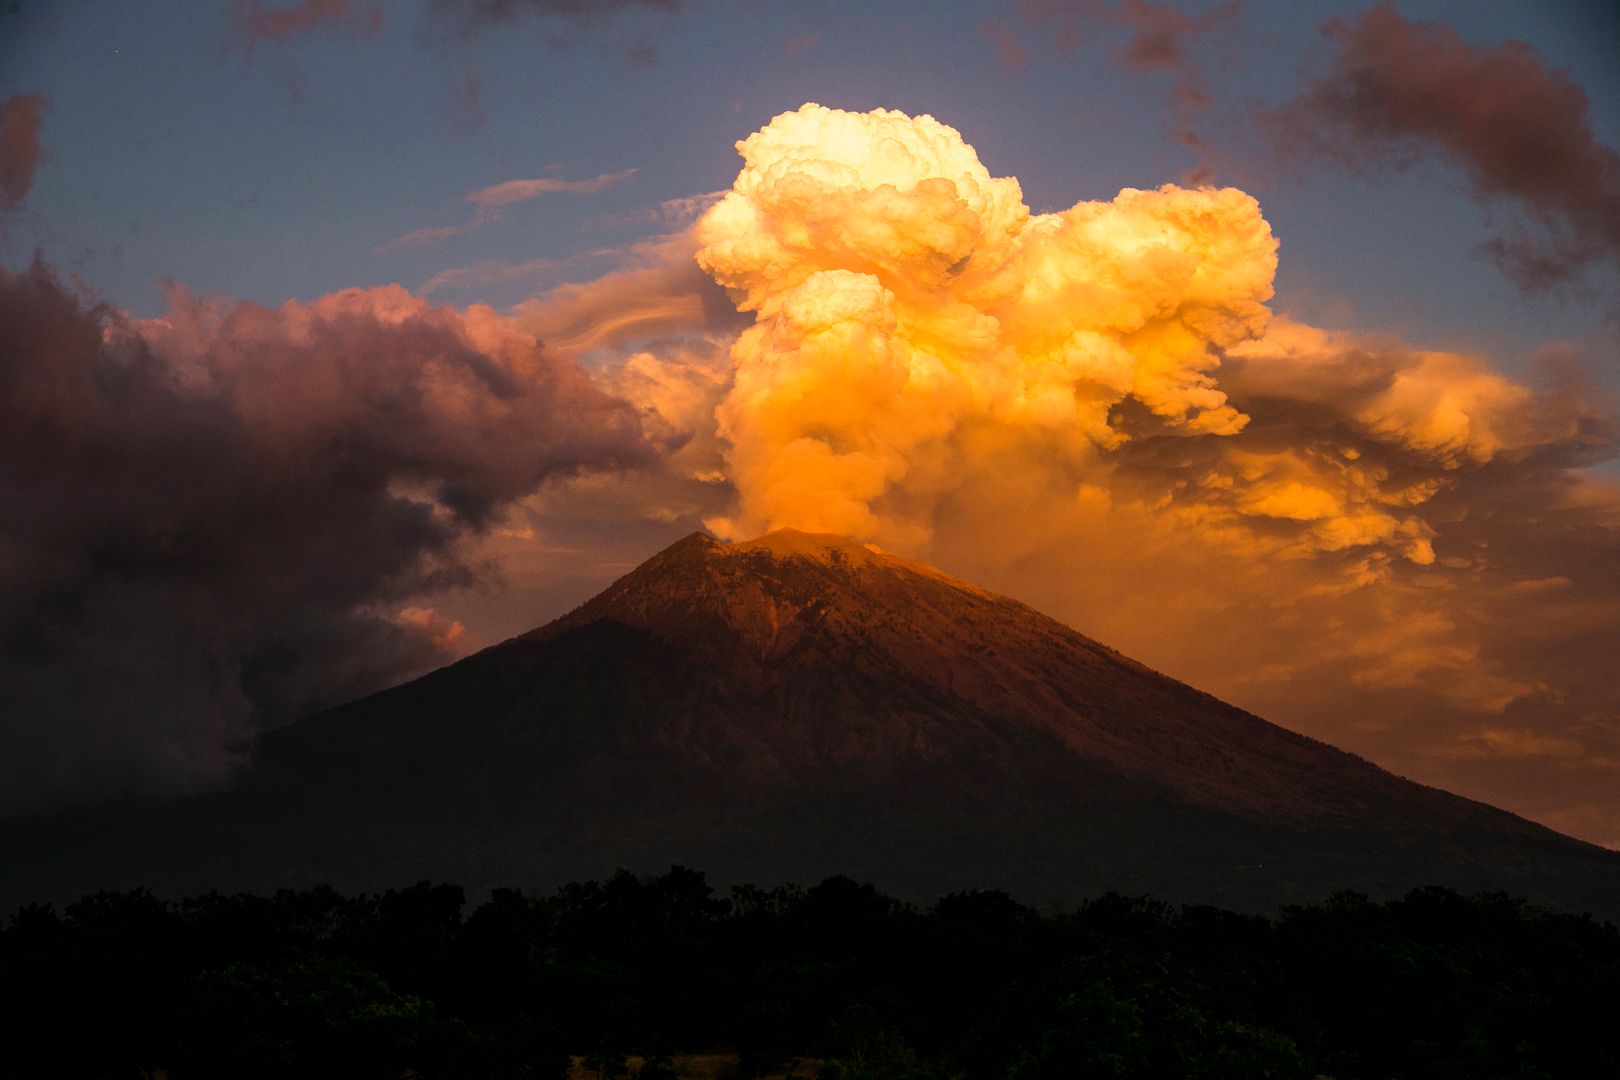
[
  {"x": 908, "y": 306},
  {"x": 1096, "y": 411}
]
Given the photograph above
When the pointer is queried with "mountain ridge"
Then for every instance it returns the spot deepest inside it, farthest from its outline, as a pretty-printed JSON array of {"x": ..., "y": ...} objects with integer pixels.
[
  {"x": 803, "y": 705},
  {"x": 830, "y": 550}
]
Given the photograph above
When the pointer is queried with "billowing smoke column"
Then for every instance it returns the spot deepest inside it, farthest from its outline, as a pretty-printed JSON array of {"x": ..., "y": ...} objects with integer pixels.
[{"x": 908, "y": 305}]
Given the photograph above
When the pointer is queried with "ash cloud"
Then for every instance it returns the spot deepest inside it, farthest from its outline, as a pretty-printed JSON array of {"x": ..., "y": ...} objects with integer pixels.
[
  {"x": 1402, "y": 552},
  {"x": 224, "y": 518},
  {"x": 906, "y": 302},
  {"x": 1396, "y": 91},
  {"x": 912, "y": 318}
]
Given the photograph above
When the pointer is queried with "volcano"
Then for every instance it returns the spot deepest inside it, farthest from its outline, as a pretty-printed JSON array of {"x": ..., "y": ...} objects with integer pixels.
[{"x": 799, "y": 706}]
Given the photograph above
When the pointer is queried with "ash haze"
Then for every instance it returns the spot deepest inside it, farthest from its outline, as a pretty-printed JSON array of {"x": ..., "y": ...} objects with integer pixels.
[{"x": 1272, "y": 344}]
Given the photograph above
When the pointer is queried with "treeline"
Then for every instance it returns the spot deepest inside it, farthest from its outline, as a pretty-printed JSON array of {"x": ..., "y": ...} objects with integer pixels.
[{"x": 315, "y": 984}]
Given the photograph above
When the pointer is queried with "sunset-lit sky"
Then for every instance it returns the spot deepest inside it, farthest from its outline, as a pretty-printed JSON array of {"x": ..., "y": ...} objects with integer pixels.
[{"x": 413, "y": 335}]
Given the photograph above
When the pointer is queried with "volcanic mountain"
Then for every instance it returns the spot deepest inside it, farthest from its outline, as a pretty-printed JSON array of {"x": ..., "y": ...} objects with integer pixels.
[{"x": 803, "y": 705}]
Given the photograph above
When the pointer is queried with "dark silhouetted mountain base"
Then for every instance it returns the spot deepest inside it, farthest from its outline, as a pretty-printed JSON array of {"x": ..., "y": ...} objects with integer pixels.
[{"x": 800, "y": 706}]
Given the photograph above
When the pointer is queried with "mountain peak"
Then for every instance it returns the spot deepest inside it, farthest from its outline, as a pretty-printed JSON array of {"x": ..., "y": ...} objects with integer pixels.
[
  {"x": 828, "y": 548},
  {"x": 822, "y": 547},
  {"x": 804, "y": 704},
  {"x": 780, "y": 549}
]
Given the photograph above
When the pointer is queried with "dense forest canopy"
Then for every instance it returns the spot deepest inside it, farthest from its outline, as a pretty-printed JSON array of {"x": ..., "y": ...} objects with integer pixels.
[{"x": 835, "y": 981}]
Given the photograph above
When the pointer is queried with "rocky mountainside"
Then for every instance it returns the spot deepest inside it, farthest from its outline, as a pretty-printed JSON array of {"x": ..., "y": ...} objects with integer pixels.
[{"x": 803, "y": 705}]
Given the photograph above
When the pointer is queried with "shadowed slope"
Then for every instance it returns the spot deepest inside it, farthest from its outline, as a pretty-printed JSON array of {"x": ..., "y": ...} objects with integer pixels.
[{"x": 802, "y": 705}]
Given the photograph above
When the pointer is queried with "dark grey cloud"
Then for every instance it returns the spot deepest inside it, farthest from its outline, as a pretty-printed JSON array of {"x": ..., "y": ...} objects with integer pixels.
[
  {"x": 1396, "y": 91},
  {"x": 218, "y": 521}
]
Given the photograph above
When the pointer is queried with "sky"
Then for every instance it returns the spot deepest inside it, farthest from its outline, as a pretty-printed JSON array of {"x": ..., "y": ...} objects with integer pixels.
[{"x": 339, "y": 339}]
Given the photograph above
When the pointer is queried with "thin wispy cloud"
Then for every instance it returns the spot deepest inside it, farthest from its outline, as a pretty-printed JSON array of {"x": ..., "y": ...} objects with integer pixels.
[
  {"x": 488, "y": 272},
  {"x": 1157, "y": 38},
  {"x": 21, "y": 117},
  {"x": 468, "y": 103},
  {"x": 800, "y": 43},
  {"x": 999, "y": 34},
  {"x": 516, "y": 191},
  {"x": 427, "y": 237},
  {"x": 491, "y": 202},
  {"x": 470, "y": 16},
  {"x": 668, "y": 215},
  {"x": 253, "y": 24}
]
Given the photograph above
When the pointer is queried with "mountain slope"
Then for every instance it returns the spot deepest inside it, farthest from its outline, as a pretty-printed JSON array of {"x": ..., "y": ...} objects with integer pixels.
[{"x": 802, "y": 705}]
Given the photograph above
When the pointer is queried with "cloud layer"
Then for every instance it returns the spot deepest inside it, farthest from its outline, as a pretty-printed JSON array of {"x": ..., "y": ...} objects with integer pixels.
[{"x": 227, "y": 511}]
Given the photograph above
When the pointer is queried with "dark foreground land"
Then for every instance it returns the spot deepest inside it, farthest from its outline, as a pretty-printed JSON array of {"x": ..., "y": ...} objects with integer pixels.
[{"x": 659, "y": 977}]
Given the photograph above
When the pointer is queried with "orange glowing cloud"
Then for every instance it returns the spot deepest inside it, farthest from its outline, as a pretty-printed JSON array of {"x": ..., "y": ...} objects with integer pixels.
[
  {"x": 913, "y": 320},
  {"x": 903, "y": 297},
  {"x": 443, "y": 633}
]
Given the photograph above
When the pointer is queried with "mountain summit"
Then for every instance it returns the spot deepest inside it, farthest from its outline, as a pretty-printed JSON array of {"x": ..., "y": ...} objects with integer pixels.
[{"x": 802, "y": 705}]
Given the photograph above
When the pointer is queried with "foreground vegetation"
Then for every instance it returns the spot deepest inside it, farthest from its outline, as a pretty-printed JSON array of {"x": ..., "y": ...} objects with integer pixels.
[{"x": 836, "y": 982}]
